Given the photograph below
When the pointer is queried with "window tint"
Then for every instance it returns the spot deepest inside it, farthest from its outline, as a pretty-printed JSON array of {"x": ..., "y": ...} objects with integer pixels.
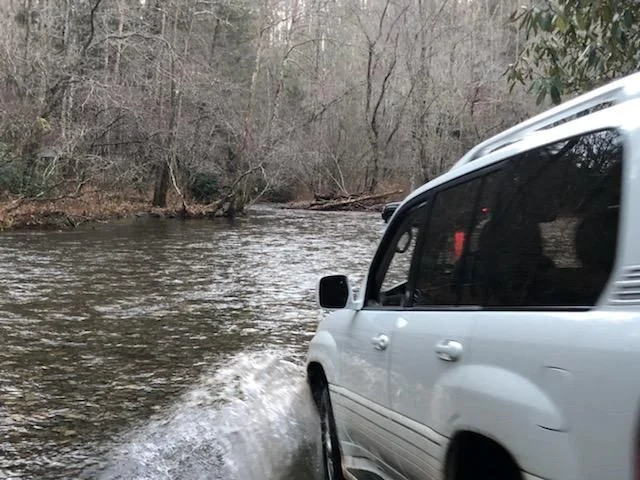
[
  {"x": 394, "y": 272},
  {"x": 472, "y": 283},
  {"x": 551, "y": 240},
  {"x": 441, "y": 266}
]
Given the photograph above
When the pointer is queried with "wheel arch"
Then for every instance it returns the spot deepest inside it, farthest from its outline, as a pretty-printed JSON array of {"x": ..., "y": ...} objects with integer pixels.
[
  {"x": 469, "y": 447},
  {"x": 317, "y": 380},
  {"x": 321, "y": 361}
]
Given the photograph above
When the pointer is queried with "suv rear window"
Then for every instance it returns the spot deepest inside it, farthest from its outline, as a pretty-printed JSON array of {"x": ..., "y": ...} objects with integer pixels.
[{"x": 551, "y": 239}]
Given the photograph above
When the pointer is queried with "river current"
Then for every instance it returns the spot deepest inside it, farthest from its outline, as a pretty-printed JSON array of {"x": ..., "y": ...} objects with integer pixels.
[{"x": 162, "y": 349}]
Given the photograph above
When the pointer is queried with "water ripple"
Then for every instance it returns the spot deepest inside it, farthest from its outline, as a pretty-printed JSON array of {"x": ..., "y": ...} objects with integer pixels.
[{"x": 105, "y": 328}]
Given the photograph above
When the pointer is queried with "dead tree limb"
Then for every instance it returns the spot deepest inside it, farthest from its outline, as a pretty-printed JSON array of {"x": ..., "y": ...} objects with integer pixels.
[{"x": 334, "y": 205}]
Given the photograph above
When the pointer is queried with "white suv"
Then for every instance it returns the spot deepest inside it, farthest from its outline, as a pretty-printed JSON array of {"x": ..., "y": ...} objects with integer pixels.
[{"x": 497, "y": 332}]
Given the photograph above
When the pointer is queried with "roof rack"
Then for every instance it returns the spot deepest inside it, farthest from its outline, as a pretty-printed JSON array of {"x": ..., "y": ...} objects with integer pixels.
[{"x": 613, "y": 93}]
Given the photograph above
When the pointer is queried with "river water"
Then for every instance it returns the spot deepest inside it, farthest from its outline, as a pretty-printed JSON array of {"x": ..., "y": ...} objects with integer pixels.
[{"x": 160, "y": 349}]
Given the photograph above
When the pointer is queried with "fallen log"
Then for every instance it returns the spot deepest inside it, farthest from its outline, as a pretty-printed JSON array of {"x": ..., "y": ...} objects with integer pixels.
[
  {"x": 320, "y": 197},
  {"x": 339, "y": 204}
]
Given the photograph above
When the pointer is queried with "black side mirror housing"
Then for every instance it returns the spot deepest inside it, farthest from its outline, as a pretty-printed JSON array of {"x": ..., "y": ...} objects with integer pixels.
[
  {"x": 388, "y": 210},
  {"x": 334, "y": 292}
]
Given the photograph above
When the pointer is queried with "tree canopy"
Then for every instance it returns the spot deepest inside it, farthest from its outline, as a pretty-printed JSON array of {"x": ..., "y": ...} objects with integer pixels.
[{"x": 575, "y": 45}]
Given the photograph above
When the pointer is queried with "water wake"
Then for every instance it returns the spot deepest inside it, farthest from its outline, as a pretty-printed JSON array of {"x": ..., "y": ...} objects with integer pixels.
[{"x": 250, "y": 420}]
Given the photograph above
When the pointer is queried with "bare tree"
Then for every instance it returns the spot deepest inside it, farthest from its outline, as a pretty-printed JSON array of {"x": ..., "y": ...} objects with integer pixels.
[{"x": 227, "y": 101}]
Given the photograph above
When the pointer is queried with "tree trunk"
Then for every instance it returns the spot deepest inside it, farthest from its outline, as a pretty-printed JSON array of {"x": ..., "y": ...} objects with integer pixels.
[
  {"x": 162, "y": 182},
  {"x": 66, "y": 36},
  {"x": 162, "y": 187},
  {"x": 373, "y": 179},
  {"x": 116, "y": 65},
  {"x": 27, "y": 33},
  {"x": 214, "y": 42}
]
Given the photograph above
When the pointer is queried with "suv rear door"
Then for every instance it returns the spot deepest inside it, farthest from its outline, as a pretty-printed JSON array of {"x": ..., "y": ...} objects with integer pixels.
[{"x": 549, "y": 251}]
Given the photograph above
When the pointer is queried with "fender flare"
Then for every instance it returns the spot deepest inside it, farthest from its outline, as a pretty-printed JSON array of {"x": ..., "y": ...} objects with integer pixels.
[
  {"x": 323, "y": 351},
  {"x": 510, "y": 410}
]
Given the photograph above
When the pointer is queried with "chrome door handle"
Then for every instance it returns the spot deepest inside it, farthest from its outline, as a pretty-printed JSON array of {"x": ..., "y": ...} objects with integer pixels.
[
  {"x": 381, "y": 342},
  {"x": 449, "y": 350}
]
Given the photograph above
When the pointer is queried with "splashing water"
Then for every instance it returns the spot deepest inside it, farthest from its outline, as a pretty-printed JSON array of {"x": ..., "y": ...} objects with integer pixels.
[{"x": 251, "y": 420}]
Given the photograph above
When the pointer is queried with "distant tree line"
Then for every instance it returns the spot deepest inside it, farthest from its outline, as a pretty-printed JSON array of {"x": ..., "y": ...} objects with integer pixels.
[{"x": 228, "y": 101}]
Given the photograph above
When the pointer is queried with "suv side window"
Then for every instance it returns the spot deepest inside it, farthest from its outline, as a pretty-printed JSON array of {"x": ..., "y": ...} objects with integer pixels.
[
  {"x": 551, "y": 241},
  {"x": 472, "y": 282},
  {"x": 392, "y": 274},
  {"x": 440, "y": 271}
]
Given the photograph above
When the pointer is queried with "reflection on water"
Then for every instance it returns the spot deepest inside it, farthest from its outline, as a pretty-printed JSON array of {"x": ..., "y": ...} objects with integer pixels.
[{"x": 139, "y": 347}]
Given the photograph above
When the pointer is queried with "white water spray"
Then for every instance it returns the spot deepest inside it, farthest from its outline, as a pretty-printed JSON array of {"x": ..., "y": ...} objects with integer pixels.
[{"x": 250, "y": 420}]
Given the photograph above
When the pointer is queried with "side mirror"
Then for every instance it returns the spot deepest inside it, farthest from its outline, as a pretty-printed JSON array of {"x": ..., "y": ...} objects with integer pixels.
[
  {"x": 388, "y": 210},
  {"x": 334, "y": 292}
]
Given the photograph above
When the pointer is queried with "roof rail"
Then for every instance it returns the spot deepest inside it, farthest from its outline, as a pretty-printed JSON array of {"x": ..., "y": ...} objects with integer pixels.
[{"x": 615, "y": 92}]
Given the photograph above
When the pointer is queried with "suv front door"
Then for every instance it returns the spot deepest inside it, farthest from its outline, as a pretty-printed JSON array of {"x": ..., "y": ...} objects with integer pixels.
[
  {"x": 431, "y": 338},
  {"x": 362, "y": 405}
]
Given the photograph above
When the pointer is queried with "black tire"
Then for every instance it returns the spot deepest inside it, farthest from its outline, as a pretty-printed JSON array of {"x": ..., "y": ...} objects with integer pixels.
[
  {"x": 473, "y": 457},
  {"x": 331, "y": 458}
]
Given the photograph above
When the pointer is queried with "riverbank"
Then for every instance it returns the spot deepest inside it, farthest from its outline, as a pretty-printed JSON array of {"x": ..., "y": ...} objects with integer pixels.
[
  {"x": 95, "y": 206},
  {"x": 69, "y": 213}
]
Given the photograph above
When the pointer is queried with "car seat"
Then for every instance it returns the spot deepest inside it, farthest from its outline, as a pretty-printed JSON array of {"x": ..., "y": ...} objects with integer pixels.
[{"x": 595, "y": 244}]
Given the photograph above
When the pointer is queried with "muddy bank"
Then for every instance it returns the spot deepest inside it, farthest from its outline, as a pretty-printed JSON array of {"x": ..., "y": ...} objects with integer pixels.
[
  {"x": 70, "y": 213},
  {"x": 94, "y": 206}
]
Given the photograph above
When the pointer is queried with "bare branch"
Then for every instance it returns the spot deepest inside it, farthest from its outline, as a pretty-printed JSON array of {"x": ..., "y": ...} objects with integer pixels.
[{"x": 94, "y": 9}]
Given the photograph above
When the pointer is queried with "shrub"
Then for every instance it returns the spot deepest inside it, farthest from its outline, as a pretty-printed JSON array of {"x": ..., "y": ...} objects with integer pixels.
[{"x": 204, "y": 187}]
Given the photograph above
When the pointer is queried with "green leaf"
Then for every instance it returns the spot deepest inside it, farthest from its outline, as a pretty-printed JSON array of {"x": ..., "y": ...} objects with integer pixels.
[
  {"x": 616, "y": 31},
  {"x": 546, "y": 22},
  {"x": 536, "y": 86},
  {"x": 541, "y": 95},
  {"x": 581, "y": 20},
  {"x": 560, "y": 23},
  {"x": 607, "y": 13},
  {"x": 590, "y": 41},
  {"x": 555, "y": 95}
]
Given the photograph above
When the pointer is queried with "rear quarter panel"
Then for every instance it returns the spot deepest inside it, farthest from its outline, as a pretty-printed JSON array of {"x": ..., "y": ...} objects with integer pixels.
[{"x": 558, "y": 390}]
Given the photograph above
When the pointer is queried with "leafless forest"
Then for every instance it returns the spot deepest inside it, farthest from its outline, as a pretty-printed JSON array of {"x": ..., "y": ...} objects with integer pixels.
[{"x": 225, "y": 102}]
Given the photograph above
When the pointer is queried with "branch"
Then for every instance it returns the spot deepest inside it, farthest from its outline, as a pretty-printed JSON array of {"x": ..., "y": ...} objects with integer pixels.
[
  {"x": 118, "y": 144},
  {"x": 383, "y": 89},
  {"x": 395, "y": 22},
  {"x": 93, "y": 27},
  {"x": 403, "y": 108},
  {"x": 215, "y": 206},
  {"x": 174, "y": 181},
  {"x": 267, "y": 186},
  {"x": 126, "y": 36},
  {"x": 351, "y": 201},
  {"x": 38, "y": 198},
  {"x": 382, "y": 17}
]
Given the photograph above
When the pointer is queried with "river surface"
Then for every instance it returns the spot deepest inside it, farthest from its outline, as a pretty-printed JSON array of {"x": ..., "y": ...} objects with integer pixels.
[{"x": 160, "y": 349}]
